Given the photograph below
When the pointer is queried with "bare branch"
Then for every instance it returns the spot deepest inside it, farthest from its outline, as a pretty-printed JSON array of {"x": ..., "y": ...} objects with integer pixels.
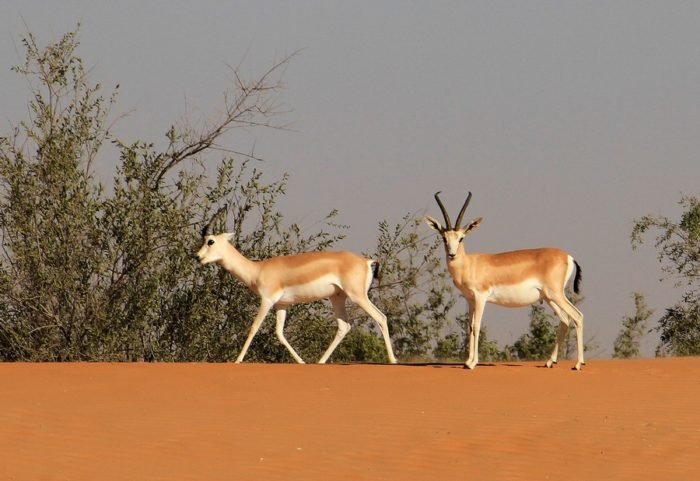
[{"x": 250, "y": 104}]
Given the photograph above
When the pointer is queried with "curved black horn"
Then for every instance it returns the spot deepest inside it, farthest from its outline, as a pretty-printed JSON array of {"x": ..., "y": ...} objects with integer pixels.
[
  {"x": 444, "y": 211},
  {"x": 207, "y": 228},
  {"x": 461, "y": 212}
]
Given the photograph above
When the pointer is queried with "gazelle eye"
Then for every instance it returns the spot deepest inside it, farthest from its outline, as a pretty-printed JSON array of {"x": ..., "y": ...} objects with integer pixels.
[
  {"x": 461, "y": 239},
  {"x": 210, "y": 242}
]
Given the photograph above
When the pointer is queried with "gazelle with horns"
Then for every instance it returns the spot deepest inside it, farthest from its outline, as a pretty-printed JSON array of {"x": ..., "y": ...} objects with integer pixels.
[
  {"x": 286, "y": 280},
  {"x": 511, "y": 279}
]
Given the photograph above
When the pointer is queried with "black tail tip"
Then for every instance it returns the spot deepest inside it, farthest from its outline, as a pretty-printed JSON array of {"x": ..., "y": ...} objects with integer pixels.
[
  {"x": 375, "y": 270},
  {"x": 578, "y": 278}
]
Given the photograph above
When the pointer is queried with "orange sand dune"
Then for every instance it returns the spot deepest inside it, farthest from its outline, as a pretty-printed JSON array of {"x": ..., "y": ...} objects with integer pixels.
[{"x": 615, "y": 420}]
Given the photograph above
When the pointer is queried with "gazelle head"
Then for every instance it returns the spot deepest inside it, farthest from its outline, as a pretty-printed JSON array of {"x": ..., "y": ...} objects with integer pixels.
[
  {"x": 213, "y": 246},
  {"x": 452, "y": 236}
]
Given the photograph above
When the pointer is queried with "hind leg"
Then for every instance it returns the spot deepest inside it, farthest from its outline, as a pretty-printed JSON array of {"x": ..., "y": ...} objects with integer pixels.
[
  {"x": 563, "y": 328},
  {"x": 338, "y": 303},
  {"x": 577, "y": 317},
  {"x": 379, "y": 318},
  {"x": 578, "y": 324}
]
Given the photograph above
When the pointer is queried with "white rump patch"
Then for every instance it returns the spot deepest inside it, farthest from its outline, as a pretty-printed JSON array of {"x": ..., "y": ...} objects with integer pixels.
[{"x": 569, "y": 269}]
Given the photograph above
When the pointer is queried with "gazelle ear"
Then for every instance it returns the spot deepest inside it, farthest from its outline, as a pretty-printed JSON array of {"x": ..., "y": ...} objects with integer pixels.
[
  {"x": 228, "y": 235},
  {"x": 433, "y": 224},
  {"x": 474, "y": 224}
]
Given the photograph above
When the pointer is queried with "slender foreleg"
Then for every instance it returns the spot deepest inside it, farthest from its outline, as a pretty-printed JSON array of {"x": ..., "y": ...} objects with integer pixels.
[
  {"x": 470, "y": 331},
  {"x": 259, "y": 318},
  {"x": 479, "y": 304}
]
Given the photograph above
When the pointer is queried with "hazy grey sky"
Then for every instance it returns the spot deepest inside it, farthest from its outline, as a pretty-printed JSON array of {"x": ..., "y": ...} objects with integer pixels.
[{"x": 567, "y": 120}]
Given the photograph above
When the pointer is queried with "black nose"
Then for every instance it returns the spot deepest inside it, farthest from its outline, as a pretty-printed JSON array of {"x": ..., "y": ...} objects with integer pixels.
[{"x": 452, "y": 256}]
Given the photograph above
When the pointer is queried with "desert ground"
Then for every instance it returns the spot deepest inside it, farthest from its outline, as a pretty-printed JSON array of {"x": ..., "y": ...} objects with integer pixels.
[{"x": 615, "y": 420}]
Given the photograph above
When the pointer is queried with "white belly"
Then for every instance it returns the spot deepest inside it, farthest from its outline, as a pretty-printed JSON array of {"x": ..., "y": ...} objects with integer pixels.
[
  {"x": 516, "y": 295},
  {"x": 320, "y": 289}
]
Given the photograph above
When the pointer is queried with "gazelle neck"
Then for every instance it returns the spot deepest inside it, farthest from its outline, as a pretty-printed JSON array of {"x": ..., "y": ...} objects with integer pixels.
[
  {"x": 457, "y": 262},
  {"x": 239, "y": 265}
]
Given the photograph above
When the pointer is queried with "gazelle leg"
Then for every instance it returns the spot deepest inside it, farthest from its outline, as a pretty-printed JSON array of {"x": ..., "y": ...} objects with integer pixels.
[
  {"x": 577, "y": 317},
  {"x": 563, "y": 328},
  {"x": 474, "y": 336},
  {"x": 380, "y": 319},
  {"x": 259, "y": 318},
  {"x": 279, "y": 330},
  {"x": 341, "y": 315},
  {"x": 470, "y": 333},
  {"x": 578, "y": 324}
]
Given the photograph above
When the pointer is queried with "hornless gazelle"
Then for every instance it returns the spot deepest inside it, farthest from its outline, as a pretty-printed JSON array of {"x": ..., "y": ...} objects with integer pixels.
[
  {"x": 511, "y": 279},
  {"x": 286, "y": 280}
]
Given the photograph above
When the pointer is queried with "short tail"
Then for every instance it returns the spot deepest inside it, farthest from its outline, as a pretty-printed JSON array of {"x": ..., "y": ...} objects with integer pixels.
[
  {"x": 578, "y": 278},
  {"x": 375, "y": 269}
]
